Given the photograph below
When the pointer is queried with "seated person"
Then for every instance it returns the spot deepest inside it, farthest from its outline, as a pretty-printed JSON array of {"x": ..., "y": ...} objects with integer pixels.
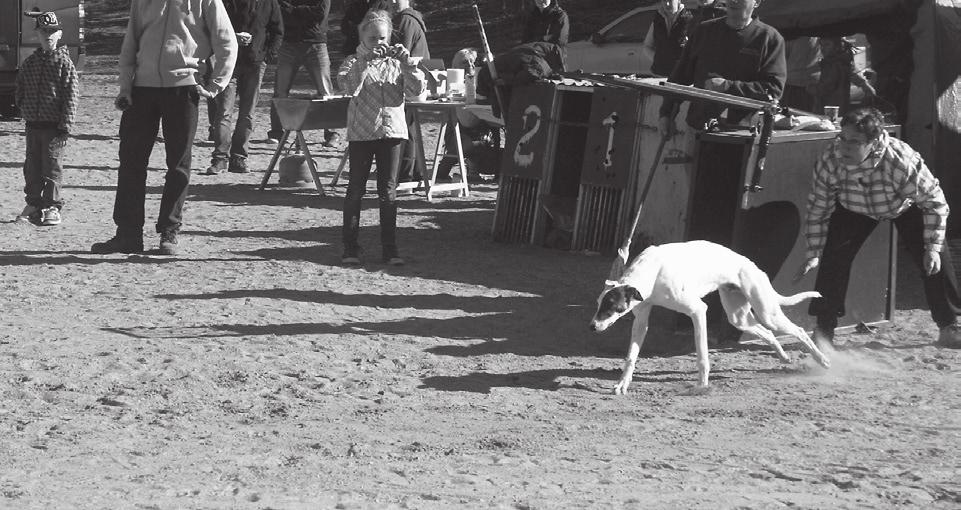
[
  {"x": 520, "y": 65},
  {"x": 480, "y": 140}
]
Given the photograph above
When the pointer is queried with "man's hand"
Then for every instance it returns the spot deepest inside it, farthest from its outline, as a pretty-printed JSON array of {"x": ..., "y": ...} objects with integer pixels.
[
  {"x": 716, "y": 84},
  {"x": 806, "y": 268},
  {"x": 931, "y": 262},
  {"x": 244, "y": 38},
  {"x": 122, "y": 102},
  {"x": 666, "y": 127},
  {"x": 204, "y": 92}
]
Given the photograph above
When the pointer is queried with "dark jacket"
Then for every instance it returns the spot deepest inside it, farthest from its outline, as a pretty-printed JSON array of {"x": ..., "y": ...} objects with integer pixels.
[
  {"x": 409, "y": 30},
  {"x": 552, "y": 25},
  {"x": 521, "y": 65},
  {"x": 669, "y": 41},
  {"x": 263, "y": 21},
  {"x": 751, "y": 59},
  {"x": 353, "y": 15},
  {"x": 305, "y": 20}
]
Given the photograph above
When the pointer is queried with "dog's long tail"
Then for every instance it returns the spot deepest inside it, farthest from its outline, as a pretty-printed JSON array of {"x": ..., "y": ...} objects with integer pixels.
[{"x": 797, "y": 298}]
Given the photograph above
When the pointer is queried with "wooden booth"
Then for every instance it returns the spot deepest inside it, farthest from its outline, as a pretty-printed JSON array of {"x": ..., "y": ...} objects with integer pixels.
[
  {"x": 579, "y": 151},
  {"x": 569, "y": 166}
]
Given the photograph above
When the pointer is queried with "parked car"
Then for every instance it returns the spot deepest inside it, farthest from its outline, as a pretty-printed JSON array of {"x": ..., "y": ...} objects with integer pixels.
[
  {"x": 18, "y": 39},
  {"x": 617, "y": 47}
]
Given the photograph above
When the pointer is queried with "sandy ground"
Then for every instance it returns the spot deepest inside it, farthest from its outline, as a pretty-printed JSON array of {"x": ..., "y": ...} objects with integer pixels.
[{"x": 255, "y": 372}]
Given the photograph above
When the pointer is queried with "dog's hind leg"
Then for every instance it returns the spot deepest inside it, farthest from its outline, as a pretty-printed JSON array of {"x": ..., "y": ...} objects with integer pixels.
[
  {"x": 642, "y": 313},
  {"x": 739, "y": 314},
  {"x": 782, "y": 323}
]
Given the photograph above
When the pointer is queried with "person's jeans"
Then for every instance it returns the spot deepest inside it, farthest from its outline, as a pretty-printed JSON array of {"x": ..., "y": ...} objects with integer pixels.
[
  {"x": 290, "y": 58},
  {"x": 42, "y": 169},
  {"x": 847, "y": 232},
  {"x": 175, "y": 109},
  {"x": 232, "y": 139},
  {"x": 362, "y": 154}
]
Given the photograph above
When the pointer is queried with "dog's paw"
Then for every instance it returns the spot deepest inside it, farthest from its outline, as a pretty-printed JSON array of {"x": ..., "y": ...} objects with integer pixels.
[{"x": 621, "y": 388}]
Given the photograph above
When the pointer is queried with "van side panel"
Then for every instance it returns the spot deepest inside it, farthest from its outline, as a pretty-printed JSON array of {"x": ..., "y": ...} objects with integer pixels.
[{"x": 9, "y": 46}]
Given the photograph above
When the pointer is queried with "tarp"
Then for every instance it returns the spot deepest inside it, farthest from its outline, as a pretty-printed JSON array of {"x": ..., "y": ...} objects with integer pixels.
[{"x": 786, "y": 15}]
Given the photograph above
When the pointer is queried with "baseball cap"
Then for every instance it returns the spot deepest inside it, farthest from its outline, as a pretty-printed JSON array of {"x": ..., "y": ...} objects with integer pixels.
[{"x": 45, "y": 20}]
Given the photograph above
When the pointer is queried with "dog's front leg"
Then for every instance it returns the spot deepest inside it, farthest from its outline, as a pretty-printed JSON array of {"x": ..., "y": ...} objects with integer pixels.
[
  {"x": 638, "y": 333},
  {"x": 698, "y": 316}
]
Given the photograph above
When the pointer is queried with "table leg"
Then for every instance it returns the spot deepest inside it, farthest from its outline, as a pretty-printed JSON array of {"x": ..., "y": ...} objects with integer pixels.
[
  {"x": 465, "y": 190},
  {"x": 340, "y": 166},
  {"x": 439, "y": 148},
  {"x": 310, "y": 163},
  {"x": 273, "y": 160},
  {"x": 442, "y": 150},
  {"x": 416, "y": 138}
]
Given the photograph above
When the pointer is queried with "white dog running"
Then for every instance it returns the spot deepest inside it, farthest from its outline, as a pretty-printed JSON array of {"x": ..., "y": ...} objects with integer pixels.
[{"x": 676, "y": 276}]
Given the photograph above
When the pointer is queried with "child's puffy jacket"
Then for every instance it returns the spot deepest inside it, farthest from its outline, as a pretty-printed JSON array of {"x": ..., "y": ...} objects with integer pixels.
[{"x": 378, "y": 87}]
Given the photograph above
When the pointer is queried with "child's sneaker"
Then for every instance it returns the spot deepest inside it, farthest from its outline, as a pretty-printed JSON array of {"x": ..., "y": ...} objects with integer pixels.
[
  {"x": 51, "y": 217},
  {"x": 30, "y": 213}
]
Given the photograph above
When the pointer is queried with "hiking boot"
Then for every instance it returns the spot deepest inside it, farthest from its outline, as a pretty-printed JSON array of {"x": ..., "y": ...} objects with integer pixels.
[
  {"x": 823, "y": 337},
  {"x": 119, "y": 244},
  {"x": 30, "y": 213},
  {"x": 332, "y": 139},
  {"x": 950, "y": 336},
  {"x": 238, "y": 166},
  {"x": 51, "y": 217},
  {"x": 168, "y": 244},
  {"x": 350, "y": 258},
  {"x": 217, "y": 166},
  {"x": 274, "y": 137}
]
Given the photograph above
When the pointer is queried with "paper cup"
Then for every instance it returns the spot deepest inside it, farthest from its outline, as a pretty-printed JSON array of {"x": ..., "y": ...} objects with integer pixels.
[
  {"x": 831, "y": 112},
  {"x": 455, "y": 81}
]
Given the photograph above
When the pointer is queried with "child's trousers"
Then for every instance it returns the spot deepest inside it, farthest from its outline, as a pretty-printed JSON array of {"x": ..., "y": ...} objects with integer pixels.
[
  {"x": 42, "y": 169},
  {"x": 387, "y": 151}
]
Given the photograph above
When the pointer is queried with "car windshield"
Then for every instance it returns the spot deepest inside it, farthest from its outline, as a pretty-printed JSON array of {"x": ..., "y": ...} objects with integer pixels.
[{"x": 630, "y": 29}]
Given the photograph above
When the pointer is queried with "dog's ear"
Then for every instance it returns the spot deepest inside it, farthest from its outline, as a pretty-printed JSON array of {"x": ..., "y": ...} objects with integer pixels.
[{"x": 634, "y": 294}]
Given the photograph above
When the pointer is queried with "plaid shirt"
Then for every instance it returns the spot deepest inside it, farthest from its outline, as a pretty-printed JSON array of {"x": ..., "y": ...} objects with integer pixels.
[
  {"x": 48, "y": 89},
  {"x": 883, "y": 186}
]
